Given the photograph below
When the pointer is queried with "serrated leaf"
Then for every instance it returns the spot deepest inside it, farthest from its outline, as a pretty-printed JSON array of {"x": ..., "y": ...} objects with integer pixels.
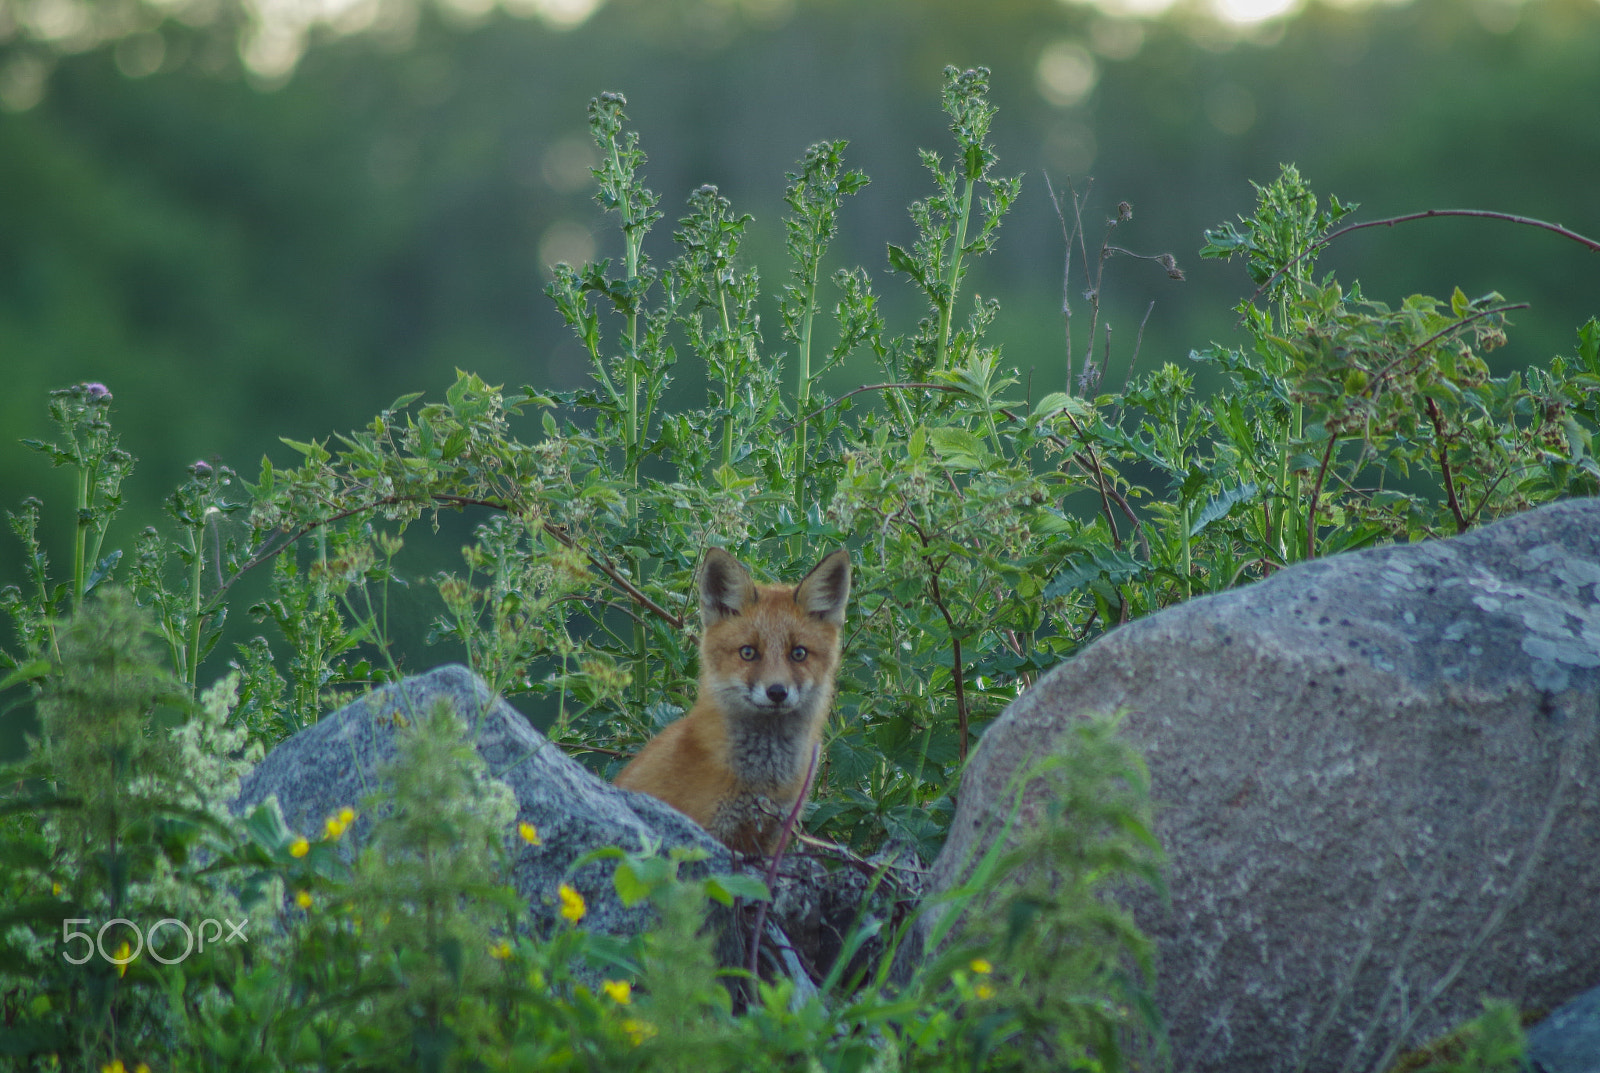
[
  {"x": 901, "y": 261},
  {"x": 1094, "y": 573},
  {"x": 918, "y": 443},
  {"x": 959, "y": 448},
  {"x": 1049, "y": 523},
  {"x": 102, "y": 570},
  {"x": 1051, "y": 404},
  {"x": 1218, "y": 506},
  {"x": 1589, "y": 345}
]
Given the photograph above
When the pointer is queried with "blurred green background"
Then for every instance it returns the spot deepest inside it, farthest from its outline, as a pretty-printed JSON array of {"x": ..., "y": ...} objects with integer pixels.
[{"x": 265, "y": 218}]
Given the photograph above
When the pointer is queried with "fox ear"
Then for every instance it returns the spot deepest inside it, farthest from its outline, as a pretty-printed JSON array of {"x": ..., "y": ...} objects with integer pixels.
[
  {"x": 826, "y": 590},
  {"x": 725, "y": 587}
]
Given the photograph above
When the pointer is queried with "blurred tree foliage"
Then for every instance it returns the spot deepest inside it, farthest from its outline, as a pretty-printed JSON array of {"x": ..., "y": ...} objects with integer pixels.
[{"x": 240, "y": 261}]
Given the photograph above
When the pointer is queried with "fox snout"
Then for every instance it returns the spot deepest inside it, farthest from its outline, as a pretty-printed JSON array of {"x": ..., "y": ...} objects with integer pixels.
[{"x": 765, "y": 697}]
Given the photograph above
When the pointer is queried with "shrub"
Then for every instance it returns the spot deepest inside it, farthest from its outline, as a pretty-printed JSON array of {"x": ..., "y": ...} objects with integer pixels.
[{"x": 993, "y": 535}]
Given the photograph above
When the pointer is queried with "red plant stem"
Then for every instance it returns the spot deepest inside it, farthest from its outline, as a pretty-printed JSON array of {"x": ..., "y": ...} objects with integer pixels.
[
  {"x": 1483, "y": 214},
  {"x": 754, "y": 964},
  {"x": 1444, "y": 466},
  {"x": 1316, "y": 494}
]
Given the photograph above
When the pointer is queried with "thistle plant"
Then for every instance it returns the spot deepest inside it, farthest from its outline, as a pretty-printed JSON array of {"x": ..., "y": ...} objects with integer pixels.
[
  {"x": 936, "y": 263},
  {"x": 814, "y": 195},
  {"x": 993, "y": 533}
]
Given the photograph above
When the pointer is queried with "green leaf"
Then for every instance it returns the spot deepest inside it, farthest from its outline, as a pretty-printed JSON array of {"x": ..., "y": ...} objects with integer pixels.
[
  {"x": 901, "y": 261},
  {"x": 724, "y": 888},
  {"x": 1218, "y": 506},
  {"x": 959, "y": 448},
  {"x": 26, "y": 672},
  {"x": 1589, "y": 345},
  {"x": 1094, "y": 573},
  {"x": 631, "y": 890},
  {"x": 265, "y": 826}
]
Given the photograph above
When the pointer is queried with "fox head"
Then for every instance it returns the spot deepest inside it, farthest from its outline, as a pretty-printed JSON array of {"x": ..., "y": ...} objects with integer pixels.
[{"x": 771, "y": 650}]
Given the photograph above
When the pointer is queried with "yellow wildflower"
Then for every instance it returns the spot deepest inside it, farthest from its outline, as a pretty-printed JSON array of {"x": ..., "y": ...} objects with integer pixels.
[
  {"x": 500, "y": 951},
  {"x": 338, "y": 823},
  {"x": 121, "y": 958},
  {"x": 529, "y": 833},
  {"x": 621, "y": 991},
  {"x": 114, "y": 1067},
  {"x": 980, "y": 966},
  {"x": 638, "y": 1031},
  {"x": 303, "y": 899},
  {"x": 299, "y": 848},
  {"x": 141, "y": 1067},
  {"x": 983, "y": 991},
  {"x": 572, "y": 906}
]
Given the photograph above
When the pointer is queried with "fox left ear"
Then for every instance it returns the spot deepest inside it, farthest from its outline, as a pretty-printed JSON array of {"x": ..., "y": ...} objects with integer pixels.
[
  {"x": 725, "y": 587},
  {"x": 825, "y": 591}
]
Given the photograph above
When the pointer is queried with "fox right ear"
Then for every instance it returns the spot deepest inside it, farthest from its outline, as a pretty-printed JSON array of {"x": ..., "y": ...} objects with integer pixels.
[{"x": 726, "y": 588}]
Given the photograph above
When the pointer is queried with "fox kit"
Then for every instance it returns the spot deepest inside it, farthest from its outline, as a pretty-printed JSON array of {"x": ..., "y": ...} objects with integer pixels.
[{"x": 737, "y": 762}]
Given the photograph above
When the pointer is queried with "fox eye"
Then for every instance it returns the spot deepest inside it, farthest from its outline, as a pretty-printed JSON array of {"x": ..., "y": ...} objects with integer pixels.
[
  {"x": 747, "y": 653},
  {"x": 797, "y": 653}
]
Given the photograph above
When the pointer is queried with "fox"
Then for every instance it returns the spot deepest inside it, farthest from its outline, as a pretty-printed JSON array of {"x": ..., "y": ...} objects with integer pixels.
[{"x": 769, "y": 656}]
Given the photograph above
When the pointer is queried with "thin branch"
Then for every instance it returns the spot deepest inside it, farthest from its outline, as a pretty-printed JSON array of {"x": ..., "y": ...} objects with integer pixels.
[
  {"x": 1444, "y": 465},
  {"x": 1483, "y": 214},
  {"x": 957, "y": 664},
  {"x": 1138, "y": 344},
  {"x": 869, "y": 387},
  {"x": 784, "y": 832},
  {"x": 1066, "y": 276},
  {"x": 1438, "y": 335},
  {"x": 1316, "y": 494},
  {"x": 597, "y": 560}
]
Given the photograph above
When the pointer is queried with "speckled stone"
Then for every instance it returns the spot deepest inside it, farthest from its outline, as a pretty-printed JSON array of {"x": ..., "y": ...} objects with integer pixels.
[
  {"x": 1568, "y": 1041},
  {"x": 333, "y": 764},
  {"x": 1378, "y": 784}
]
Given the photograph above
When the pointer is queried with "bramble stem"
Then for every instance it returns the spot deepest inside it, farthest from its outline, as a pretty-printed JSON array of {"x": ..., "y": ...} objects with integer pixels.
[{"x": 1428, "y": 214}]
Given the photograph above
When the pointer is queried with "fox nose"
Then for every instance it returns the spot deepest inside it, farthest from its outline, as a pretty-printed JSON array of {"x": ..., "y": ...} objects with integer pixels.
[{"x": 777, "y": 692}]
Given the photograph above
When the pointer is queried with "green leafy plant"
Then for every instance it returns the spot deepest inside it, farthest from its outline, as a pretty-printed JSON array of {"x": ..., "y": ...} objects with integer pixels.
[{"x": 993, "y": 534}]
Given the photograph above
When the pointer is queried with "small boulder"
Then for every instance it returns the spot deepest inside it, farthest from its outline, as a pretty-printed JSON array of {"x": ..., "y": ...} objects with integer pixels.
[
  {"x": 1376, "y": 783},
  {"x": 333, "y": 765},
  {"x": 1568, "y": 1041}
]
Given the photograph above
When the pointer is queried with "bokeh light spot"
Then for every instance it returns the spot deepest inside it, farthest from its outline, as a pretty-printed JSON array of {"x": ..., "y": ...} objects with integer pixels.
[{"x": 1066, "y": 72}]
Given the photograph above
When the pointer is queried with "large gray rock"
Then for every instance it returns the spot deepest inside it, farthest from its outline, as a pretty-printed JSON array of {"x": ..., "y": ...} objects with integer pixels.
[
  {"x": 1378, "y": 785},
  {"x": 334, "y": 763},
  {"x": 1568, "y": 1041}
]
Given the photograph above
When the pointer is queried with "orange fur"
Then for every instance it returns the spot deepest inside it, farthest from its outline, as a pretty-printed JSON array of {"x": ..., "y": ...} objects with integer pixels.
[{"x": 737, "y": 762}]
